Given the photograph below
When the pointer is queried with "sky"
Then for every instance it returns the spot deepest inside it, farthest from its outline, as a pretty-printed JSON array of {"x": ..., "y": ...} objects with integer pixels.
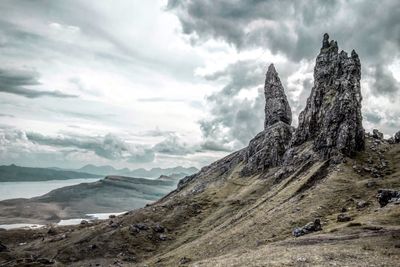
[{"x": 135, "y": 84}]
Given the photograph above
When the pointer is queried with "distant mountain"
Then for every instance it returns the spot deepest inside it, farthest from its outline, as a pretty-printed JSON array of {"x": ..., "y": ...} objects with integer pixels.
[
  {"x": 177, "y": 172},
  {"x": 14, "y": 173}
]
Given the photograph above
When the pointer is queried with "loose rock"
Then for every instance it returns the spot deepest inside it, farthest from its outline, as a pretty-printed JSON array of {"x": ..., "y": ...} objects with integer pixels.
[
  {"x": 397, "y": 137},
  {"x": 3, "y": 248},
  {"x": 377, "y": 134},
  {"x": 386, "y": 196},
  {"x": 343, "y": 218},
  {"x": 308, "y": 228}
]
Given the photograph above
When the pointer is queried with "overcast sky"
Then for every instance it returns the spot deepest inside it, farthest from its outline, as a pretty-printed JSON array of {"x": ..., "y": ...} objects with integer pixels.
[{"x": 134, "y": 83}]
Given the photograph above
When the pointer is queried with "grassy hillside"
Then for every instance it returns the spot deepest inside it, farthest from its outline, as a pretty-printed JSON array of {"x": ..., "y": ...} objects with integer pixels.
[{"x": 223, "y": 219}]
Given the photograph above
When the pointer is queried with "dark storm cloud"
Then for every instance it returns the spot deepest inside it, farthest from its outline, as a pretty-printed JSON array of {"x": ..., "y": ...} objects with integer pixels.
[
  {"x": 16, "y": 81},
  {"x": 293, "y": 29},
  {"x": 385, "y": 83},
  {"x": 234, "y": 121},
  {"x": 289, "y": 26}
]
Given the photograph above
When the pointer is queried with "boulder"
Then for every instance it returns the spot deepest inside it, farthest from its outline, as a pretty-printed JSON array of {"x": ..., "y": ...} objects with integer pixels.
[
  {"x": 158, "y": 228},
  {"x": 308, "y": 228},
  {"x": 342, "y": 217},
  {"x": 386, "y": 196},
  {"x": 267, "y": 148},
  {"x": 3, "y": 248},
  {"x": 362, "y": 204},
  {"x": 332, "y": 117},
  {"x": 377, "y": 134},
  {"x": 397, "y": 137}
]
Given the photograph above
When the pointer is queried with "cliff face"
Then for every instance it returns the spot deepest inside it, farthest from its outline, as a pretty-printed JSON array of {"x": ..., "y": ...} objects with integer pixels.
[{"x": 332, "y": 118}]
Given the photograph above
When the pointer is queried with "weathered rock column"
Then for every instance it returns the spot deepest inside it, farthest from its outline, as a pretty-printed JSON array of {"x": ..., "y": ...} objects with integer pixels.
[
  {"x": 268, "y": 147},
  {"x": 332, "y": 117}
]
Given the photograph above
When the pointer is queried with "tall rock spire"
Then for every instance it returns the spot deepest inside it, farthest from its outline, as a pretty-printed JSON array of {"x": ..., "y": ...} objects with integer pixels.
[
  {"x": 268, "y": 147},
  {"x": 332, "y": 117},
  {"x": 276, "y": 105}
]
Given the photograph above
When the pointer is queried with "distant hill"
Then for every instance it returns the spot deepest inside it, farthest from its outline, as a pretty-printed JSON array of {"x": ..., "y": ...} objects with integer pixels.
[
  {"x": 111, "y": 194},
  {"x": 178, "y": 172},
  {"x": 14, "y": 173}
]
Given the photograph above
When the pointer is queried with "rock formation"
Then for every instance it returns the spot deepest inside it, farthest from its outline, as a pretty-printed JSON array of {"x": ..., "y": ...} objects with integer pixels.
[
  {"x": 276, "y": 105},
  {"x": 268, "y": 147},
  {"x": 397, "y": 137},
  {"x": 332, "y": 117}
]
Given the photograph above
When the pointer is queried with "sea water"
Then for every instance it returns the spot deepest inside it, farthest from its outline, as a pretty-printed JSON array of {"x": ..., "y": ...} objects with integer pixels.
[{"x": 9, "y": 190}]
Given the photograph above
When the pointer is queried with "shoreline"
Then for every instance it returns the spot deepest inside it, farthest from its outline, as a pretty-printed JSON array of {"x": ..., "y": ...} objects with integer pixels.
[{"x": 65, "y": 222}]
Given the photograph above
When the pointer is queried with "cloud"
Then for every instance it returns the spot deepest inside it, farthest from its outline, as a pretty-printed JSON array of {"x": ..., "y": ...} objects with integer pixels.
[
  {"x": 108, "y": 147},
  {"x": 289, "y": 27},
  {"x": 172, "y": 145},
  {"x": 385, "y": 83},
  {"x": 293, "y": 30},
  {"x": 234, "y": 120},
  {"x": 159, "y": 99},
  {"x": 14, "y": 81}
]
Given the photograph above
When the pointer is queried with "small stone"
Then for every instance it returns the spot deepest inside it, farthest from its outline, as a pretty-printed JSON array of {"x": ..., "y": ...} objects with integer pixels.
[
  {"x": 344, "y": 209},
  {"x": 112, "y": 216},
  {"x": 84, "y": 222},
  {"x": 362, "y": 204},
  {"x": 141, "y": 226},
  {"x": 52, "y": 231},
  {"x": 158, "y": 229},
  {"x": 370, "y": 184},
  {"x": 184, "y": 260},
  {"x": 162, "y": 237},
  {"x": 3, "y": 248},
  {"x": 343, "y": 218}
]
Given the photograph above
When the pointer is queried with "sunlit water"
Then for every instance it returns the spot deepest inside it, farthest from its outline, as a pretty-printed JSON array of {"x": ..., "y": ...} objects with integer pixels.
[
  {"x": 94, "y": 216},
  {"x": 10, "y": 190}
]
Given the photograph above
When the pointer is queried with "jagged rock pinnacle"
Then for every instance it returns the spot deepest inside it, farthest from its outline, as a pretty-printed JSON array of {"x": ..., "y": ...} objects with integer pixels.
[
  {"x": 332, "y": 117},
  {"x": 268, "y": 147},
  {"x": 276, "y": 105}
]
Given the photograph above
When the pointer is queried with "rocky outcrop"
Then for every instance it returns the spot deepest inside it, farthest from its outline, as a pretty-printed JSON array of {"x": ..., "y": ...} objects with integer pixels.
[
  {"x": 268, "y": 147},
  {"x": 386, "y": 196},
  {"x": 308, "y": 228},
  {"x": 377, "y": 134},
  {"x": 332, "y": 117},
  {"x": 276, "y": 105},
  {"x": 397, "y": 137}
]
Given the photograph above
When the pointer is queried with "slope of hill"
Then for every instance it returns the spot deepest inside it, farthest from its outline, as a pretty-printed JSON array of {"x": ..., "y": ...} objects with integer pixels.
[
  {"x": 13, "y": 173},
  {"x": 319, "y": 181}
]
